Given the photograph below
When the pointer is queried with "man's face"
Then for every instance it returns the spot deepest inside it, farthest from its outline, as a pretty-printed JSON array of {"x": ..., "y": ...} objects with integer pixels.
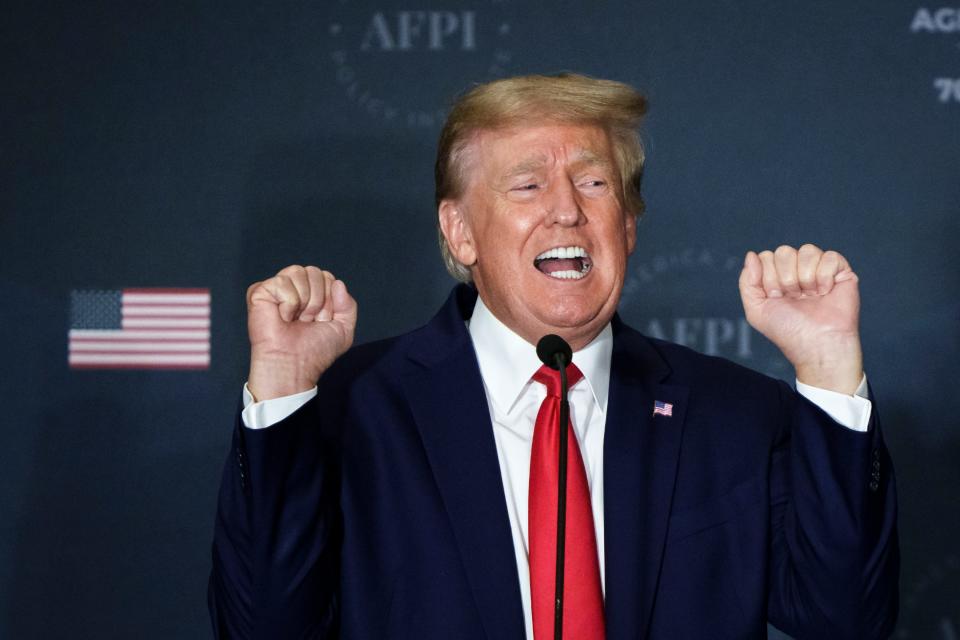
[{"x": 543, "y": 229}]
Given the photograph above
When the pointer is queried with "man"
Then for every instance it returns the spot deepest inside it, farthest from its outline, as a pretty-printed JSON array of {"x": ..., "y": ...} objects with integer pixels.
[{"x": 409, "y": 493}]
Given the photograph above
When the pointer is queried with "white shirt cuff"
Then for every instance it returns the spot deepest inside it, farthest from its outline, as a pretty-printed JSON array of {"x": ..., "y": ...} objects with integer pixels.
[
  {"x": 260, "y": 415},
  {"x": 852, "y": 412}
]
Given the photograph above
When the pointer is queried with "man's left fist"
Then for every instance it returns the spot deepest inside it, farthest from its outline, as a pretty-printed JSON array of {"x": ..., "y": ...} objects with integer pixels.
[{"x": 806, "y": 302}]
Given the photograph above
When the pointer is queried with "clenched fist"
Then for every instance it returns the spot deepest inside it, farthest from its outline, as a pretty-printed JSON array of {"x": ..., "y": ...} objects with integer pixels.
[
  {"x": 299, "y": 321},
  {"x": 806, "y": 302}
]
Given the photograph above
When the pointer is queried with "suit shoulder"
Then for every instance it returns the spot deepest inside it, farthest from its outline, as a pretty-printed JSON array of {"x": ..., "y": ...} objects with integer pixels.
[
  {"x": 361, "y": 358},
  {"x": 692, "y": 367},
  {"x": 384, "y": 358},
  {"x": 750, "y": 402}
]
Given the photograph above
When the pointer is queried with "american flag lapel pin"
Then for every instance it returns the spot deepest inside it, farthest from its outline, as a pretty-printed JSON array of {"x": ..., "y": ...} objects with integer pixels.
[{"x": 662, "y": 408}]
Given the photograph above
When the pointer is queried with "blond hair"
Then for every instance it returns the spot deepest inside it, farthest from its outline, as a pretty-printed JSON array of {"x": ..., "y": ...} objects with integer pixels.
[{"x": 566, "y": 98}]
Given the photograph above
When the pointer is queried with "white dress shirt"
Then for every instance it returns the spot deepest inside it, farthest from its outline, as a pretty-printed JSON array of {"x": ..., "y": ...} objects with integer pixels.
[{"x": 507, "y": 363}]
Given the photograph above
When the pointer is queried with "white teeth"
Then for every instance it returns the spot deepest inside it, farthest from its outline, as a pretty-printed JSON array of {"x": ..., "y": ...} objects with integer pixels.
[
  {"x": 567, "y": 253},
  {"x": 568, "y": 275},
  {"x": 563, "y": 252}
]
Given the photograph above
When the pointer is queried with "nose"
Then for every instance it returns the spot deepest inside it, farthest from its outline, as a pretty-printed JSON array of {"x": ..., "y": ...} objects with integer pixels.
[{"x": 563, "y": 205}]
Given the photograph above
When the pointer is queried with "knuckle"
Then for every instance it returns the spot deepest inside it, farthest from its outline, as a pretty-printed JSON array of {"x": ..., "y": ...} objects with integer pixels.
[
  {"x": 809, "y": 248},
  {"x": 784, "y": 250},
  {"x": 293, "y": 273},
  {"x": 287, "y": 289}
]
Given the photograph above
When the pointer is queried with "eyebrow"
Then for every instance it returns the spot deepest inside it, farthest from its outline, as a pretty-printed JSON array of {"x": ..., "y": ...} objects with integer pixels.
[
  {"x": 584, "y": 156},
  {"x": 589, "y": 158}
]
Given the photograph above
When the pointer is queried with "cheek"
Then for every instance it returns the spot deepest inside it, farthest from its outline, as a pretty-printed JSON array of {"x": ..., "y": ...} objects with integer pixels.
[
  {"x": 507, "y": 241},
  {"x": 500, "y": 261}
]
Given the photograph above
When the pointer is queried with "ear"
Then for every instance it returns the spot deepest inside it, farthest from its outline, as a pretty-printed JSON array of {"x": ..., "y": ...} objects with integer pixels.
[
  {"x": 453, "y": 225},
  {"x": 630, "y": 229}
]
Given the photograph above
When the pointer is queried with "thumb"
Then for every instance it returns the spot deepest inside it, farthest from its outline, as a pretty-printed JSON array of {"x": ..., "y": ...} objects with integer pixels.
[
  {"x": 751, "y": 279},
  {"x": 344, "y": 306}
]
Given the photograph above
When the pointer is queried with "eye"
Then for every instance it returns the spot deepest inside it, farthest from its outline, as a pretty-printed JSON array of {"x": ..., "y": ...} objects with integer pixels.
[
  {"x": 527, "y": 187},
  {"x": 593, "y": 183}
]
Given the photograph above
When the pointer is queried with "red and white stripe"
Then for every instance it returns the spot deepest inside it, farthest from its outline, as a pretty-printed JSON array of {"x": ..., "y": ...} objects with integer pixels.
[{"x": 161, "y": 329}]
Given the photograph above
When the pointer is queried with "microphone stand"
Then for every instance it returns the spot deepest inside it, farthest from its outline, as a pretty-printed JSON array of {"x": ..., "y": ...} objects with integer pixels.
[
  {"x": 561, "y": 498},
  {"x": 554, "y": 352}
]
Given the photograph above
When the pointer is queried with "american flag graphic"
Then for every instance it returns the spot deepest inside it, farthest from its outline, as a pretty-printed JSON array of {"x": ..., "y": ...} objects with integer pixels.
[
  {"x": 140, "y": 329},
  {"x": 662, "y": 408}
]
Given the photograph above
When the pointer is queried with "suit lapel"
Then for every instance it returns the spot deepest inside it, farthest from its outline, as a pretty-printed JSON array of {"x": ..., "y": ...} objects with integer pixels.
[
  {"x": 446, "y": 397},
  {"x": 641, "y": 452}
]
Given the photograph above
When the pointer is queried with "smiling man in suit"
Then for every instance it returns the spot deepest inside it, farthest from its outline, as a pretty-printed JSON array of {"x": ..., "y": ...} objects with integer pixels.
[{"x": 404, "y": 489}]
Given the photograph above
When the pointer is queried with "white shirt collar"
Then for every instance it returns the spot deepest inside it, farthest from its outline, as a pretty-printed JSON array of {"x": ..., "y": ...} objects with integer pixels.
[{"x": 507, "y": 361}]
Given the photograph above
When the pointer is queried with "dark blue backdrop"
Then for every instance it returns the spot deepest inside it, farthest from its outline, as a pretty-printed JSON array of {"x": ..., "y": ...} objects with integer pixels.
[{"x": 205, "y": 145}]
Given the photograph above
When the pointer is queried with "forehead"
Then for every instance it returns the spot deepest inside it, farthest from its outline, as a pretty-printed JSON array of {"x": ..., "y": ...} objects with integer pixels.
[{"x": 530, "y": 147}]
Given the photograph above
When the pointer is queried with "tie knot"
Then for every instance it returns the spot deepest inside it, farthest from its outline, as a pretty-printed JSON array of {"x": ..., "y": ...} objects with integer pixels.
[{"x": 551, "y": 378}]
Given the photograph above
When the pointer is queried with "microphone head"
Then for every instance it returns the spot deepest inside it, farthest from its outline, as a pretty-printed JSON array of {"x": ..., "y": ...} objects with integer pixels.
[{"x": 549, "y": 347}]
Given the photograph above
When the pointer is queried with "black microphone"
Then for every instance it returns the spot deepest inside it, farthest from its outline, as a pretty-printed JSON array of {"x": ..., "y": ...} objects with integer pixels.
[
  {"x": 554, "y": 352},
  {"x": 550, "y": 347}
]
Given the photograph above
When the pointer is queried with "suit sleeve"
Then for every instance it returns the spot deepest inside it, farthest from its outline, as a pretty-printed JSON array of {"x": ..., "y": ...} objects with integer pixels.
[
  {"x": 277, "y": 534},
  {"x": 834, "y": 557}
]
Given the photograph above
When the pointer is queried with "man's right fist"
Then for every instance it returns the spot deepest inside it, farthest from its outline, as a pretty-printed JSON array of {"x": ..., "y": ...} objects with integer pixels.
[{"x": 299, "y": 321}]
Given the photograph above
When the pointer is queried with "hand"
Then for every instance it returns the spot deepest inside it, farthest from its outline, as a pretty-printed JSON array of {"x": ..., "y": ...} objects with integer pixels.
[
  {"x": 807, "y": 303},
  {"x": 299, "y": 321}
]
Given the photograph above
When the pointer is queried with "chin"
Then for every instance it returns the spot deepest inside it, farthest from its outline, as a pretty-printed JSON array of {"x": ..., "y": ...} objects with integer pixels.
[{"x": 572, "y": 314}]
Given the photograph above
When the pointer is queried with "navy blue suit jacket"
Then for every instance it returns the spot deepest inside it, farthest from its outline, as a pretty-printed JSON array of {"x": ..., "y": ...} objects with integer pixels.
[{"x": 377, "y": 510}]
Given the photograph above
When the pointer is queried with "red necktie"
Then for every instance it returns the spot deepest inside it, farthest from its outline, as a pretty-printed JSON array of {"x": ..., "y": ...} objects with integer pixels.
[{"x": 582, "y": 597}]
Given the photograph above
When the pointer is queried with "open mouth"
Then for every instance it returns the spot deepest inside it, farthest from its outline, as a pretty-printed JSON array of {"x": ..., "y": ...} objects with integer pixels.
[{"x": 564, "y": 263}]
